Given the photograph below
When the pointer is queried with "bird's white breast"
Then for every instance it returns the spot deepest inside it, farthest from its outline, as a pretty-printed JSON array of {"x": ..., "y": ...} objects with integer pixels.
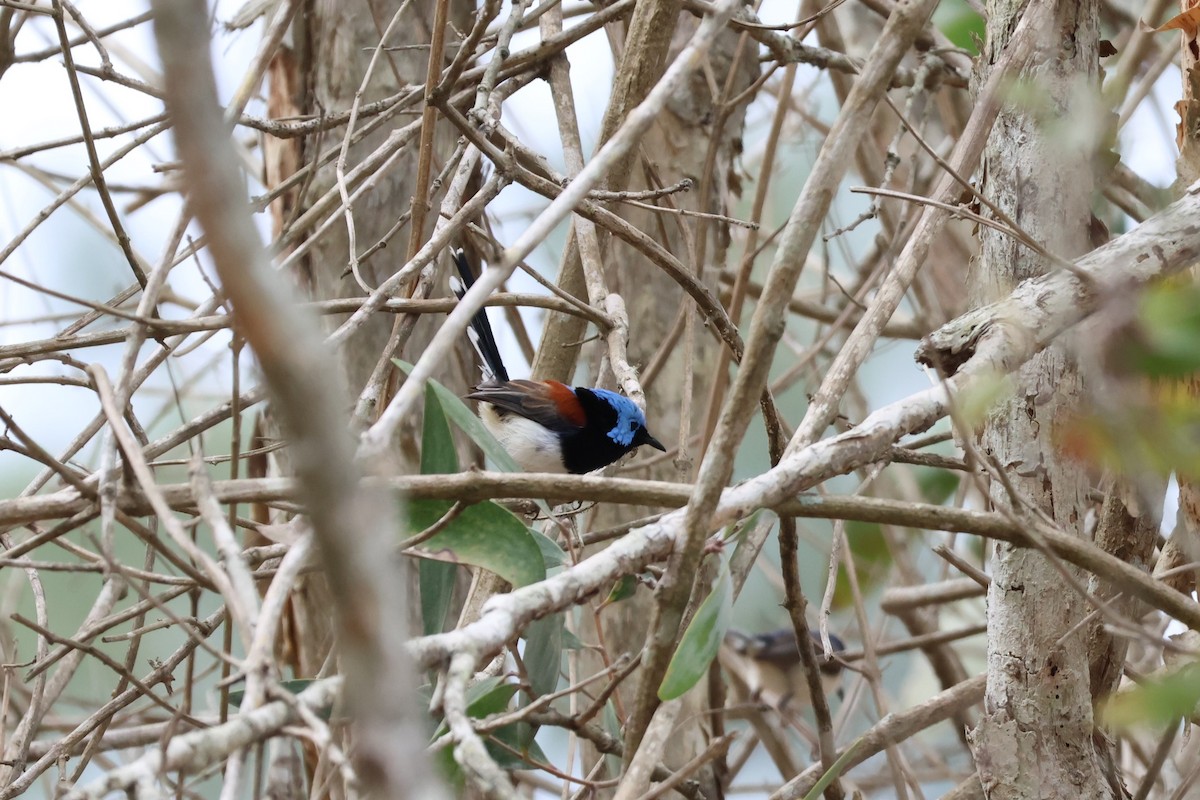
[{"x": 532, "y": 446}]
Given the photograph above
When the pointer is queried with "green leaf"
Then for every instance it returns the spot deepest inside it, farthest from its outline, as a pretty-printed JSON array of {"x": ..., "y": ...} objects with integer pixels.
[
  {"x": 296, "y": 686},
  {"x": 699, "y": 644},
  {"x": 484, "y": 535},
  {"x": 518, "y": 737},
  {"x": 436, "y": 578},
  {"x": 489, "y": 696},
  {"x": 622, "y": 590},
  {"x": 975, "y": 403},
  {"x": 1158, "y": 702},
  {"x": 437, "y": 445},
  {"x": 612, "y": 726},
  {"x": 872, "y": 559},
  {"x": 835, "y": 769},
  {"x": 543, "y": 654},
  {"x": 450, "y": 771},
  {"x": 1164, "y": 342},
  {"x": 552, "y": 554}
]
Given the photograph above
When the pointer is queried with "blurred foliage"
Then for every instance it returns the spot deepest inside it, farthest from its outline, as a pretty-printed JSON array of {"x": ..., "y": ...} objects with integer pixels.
[
  {"x": 961, "y": 24},
  {"x": 1147, "y": 420},
  {"x": 1157, "y": 701},
  {"x": 1165, "y": 341}
]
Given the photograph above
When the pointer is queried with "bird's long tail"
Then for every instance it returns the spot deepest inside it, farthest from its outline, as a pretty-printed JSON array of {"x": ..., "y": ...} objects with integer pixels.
[{"x": 480, "y": 332}]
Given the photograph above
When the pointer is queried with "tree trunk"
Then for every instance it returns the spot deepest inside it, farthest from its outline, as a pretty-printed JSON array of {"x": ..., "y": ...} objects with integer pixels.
[{"x": 1036, "y": 737}]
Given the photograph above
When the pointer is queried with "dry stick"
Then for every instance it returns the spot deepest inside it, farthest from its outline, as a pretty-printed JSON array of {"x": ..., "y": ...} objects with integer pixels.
[
  {"x": 20, "y": 152},
  {"x": 97, "y": 422},
  {"x": 118, "y": 738},
  {"x": 737, "y": 300},
  {"x": 587, "y": 241},
  {"x": 83, "y": 648},
  {"x": 658, "y": 255},
  {"x": 464, "y": 162},
  {"x": 824, "y": 406},
  {"x": 242, "y": 602},
  {"x": 715, "y": 749},
  {"x": 896, "y": 761},
  {"x": 522, "y": 61},
  {"x": 352, "y": 525},
  {"x": 259, "y": 654},
  {"x": 453, "y": 217},
  {"x": 646, "y": 48},
  {"x": 69, "y": 192},
  {"x": 278, "y": 27},
  {"x": 129, "y": 666},
  {"x": 145, "y": 478}
]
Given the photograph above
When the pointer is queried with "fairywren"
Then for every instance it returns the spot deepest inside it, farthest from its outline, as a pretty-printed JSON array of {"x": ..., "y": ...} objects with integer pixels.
[{"x": 547, "y": 426}]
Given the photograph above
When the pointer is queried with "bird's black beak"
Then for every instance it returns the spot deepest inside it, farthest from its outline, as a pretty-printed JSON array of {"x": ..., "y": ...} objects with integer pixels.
[{"x": 644, "y": 437}]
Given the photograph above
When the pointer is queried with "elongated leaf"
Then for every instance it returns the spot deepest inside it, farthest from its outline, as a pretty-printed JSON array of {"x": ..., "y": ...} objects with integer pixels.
[
  {"x": 836, "y": 769},
  {"x": 571, "y": 641},
  {"x": 488, "y": 696},
  {"x": 552, "y": 554},
  {"x": 437, "y": 445},
  {"x": 623, "y": 589},
  {"x": 484, "y": 535},
  {"x": 516, "y": 737},
  {"x": 543, "y": 654},
  {"x": 699, "y": 644},
  {"x": 436, "y": 578}
]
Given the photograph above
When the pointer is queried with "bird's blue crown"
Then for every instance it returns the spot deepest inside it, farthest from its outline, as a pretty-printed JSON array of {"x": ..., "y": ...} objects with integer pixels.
[{"x": 629, "y": 417}]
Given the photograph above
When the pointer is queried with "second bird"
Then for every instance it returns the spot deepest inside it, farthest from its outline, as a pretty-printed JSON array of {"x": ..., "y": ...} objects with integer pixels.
[{"x": 547, "y": 426}]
